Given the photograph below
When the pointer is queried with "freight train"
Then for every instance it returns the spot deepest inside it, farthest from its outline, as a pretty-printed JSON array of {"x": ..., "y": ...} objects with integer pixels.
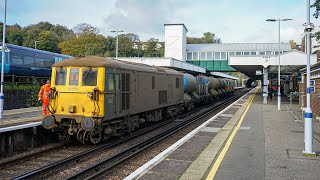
[{"x": 94, "y": 98}]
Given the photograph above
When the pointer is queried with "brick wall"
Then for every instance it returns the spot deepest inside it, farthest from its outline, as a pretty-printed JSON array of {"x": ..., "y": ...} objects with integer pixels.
[{"x": 315, "y": 96}]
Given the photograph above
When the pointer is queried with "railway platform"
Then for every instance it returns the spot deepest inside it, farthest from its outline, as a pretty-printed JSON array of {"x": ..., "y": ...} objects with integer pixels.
[
  {"x": 248, "y": 140},
  {"x": 20, "y": 130},
  {"x": 18, "y": 118}
]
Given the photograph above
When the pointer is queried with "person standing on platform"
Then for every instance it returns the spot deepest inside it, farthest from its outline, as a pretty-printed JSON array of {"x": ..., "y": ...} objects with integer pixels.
[
  {"x": 44, "y": 97},
  {"x": 275, "y": 89},
  {"x": 270, "y": 89}
]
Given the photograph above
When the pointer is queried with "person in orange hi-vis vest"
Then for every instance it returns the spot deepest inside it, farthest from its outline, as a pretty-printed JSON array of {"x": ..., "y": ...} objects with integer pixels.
[{"x": 44, "y": 97}]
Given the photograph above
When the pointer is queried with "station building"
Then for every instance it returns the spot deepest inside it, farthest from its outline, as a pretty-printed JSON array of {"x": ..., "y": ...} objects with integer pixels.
[
  {"x": 215, "y": 57},
  {"x": 315, "y": 88},
  {"x": 219, "y": 59}
]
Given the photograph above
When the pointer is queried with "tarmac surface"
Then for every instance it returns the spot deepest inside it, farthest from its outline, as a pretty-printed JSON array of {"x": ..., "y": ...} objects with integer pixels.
[
  {"x": 250, "y": 140},
  {"x": 271, "y": 146}
]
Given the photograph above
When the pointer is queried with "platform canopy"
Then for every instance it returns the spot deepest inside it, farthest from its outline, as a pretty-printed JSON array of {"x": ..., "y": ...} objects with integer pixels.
[
  {"x": 290, "y": 62},
  {"x": 167, "y": 62}
]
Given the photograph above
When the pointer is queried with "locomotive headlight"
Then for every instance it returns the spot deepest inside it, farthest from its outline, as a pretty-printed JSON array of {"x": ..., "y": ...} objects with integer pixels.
[
  {"x": 48, "y": 122},
  {"x": 87, "y": 123}
]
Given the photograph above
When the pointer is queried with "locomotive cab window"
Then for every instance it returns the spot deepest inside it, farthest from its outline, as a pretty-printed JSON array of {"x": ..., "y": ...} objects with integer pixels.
[
  {"x": 61, "y": 75},
  {"x": 74, "y": 77},
  {"x": 111, "y": 82},
  {"x": 89, "y": 77}
]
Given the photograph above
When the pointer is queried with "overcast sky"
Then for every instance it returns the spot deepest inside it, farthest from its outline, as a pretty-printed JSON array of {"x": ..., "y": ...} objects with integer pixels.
[{"x": 231, "y": 20}]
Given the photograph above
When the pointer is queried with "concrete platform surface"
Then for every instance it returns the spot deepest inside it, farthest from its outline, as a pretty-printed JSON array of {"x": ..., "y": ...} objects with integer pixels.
[
  {"x": 257, "y": 142},
  {"x": 18, "y": 117}
]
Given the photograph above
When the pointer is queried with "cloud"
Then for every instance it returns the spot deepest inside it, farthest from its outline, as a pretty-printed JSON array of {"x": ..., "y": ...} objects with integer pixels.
[
  {"x": 144, "y": 17},
  {"x": 230, "y": 20}
]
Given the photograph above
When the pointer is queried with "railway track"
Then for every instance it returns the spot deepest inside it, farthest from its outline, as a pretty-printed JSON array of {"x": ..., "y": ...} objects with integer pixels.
[
  {"x": 99, "y": 168},
  {"x": 33, "y": 166}
]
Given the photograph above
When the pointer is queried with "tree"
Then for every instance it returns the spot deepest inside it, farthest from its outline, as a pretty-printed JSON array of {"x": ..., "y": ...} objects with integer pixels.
[
  {"x": 31, "y": 36},
  {"x": 194, "y": 40},
  {"x": 316, "y": 4},
  {"x": 292, "y": 44},
  {"x": 15, "y": 35},
  {"x": 62, "y": 32},
  {"x": 152, "y": 48},
  {"x": 57, "y": 32},
  {"x": 208, "y": 37},
  {"x": 85, "y": 28},
  {"x": 126, "y": 45},
  {"x": 48, "y": 41},
  {"x": 84, "y": 45}
]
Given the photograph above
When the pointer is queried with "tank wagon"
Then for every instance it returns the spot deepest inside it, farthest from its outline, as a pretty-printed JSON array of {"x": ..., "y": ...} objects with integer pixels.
[{"x": 95, "y": 98}]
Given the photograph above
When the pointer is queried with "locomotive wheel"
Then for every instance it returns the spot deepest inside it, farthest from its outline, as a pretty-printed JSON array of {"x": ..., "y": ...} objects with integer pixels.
[{"x": 95, "y": 137}]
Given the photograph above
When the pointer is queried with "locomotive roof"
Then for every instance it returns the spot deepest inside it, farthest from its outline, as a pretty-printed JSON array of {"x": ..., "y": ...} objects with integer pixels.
[{"x": 95, "y": 61}]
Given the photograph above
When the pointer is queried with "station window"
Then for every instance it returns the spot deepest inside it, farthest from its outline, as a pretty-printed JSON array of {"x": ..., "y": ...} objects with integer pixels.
[
  {"x": 231, "y": 53},
  {"x": 89, "y": 77},
  {"x": 262, "y": 53},
  {"x": 195, "y": 56},
  {"x": 61, "y": 75},
  {"x": 189, "y": 55},
  {"x": 223, "y": 56},
  {"x": 253, "y": 53},
  {"x": 238, "y": 53},
  {"x": 74, "y": 77},
  {"x": 202, "y": 55},
  {"x": 246, "y": 53},
  {"x": 217, "y": 55},
  {"x": 209, "y": 55},
  {"x": 269, "y": 53}
]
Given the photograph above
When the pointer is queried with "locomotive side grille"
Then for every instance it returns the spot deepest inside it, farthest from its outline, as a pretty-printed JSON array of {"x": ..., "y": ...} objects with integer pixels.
[
  {"x": 162, "y": 97},
  {"x": 125, "y": 101},
  {"x": 125, "y": 87},
  {"x": 125, "y": 78}
]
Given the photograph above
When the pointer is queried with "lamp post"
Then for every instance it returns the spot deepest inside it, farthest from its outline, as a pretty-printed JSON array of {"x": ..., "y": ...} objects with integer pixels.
[
  {"x": 35, "y": 44},
  {"x": 3, "y": 50},
  {"x": 279, "y": 93},
  {"x": 117, "y": 42},
  {"x": 308, "y": 113}
]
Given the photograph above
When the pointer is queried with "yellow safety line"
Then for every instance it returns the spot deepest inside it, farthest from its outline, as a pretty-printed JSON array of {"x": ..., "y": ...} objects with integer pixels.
[
  {"x": 21, "y": 120},
  {"x": 219, "y": 160}
]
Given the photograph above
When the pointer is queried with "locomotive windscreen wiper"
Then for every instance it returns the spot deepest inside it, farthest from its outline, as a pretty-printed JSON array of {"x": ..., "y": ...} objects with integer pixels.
[{"x": 86, "y": 75}]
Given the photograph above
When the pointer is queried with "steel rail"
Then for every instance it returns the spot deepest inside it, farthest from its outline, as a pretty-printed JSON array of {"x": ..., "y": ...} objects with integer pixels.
[
  {"x": 88, "y": 153},
  {"x": 131, "y": 151}
]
